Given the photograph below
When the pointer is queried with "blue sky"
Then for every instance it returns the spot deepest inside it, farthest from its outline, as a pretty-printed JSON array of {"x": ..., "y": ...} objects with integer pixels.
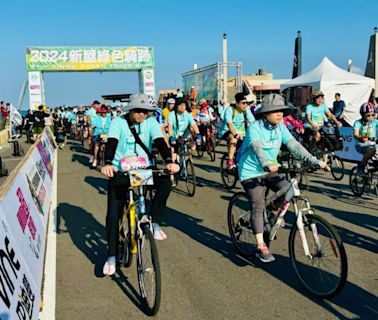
[{"x": 260, "y": 34}]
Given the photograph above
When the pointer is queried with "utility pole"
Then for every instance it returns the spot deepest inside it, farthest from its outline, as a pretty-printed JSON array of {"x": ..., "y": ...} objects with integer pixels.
[{"x": 225, "y": 82}]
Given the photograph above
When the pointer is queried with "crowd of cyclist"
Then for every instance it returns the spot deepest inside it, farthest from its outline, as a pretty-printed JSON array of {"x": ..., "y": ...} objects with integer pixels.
[{"x": 254, "y": 137}]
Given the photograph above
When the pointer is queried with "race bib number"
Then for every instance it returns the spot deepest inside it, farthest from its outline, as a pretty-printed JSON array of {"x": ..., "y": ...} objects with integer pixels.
[
  {"x": 133, "y": 162},
  {"x": 141, "y": 178}
]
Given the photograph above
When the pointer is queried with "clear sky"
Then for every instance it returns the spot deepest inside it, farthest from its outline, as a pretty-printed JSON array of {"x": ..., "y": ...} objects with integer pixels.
[{"x": 260, "y": 34}]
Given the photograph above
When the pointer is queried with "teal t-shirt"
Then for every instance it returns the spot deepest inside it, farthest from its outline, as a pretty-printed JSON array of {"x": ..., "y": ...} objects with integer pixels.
[
  {"x": 366, "y": 130},
  {"x": 91, "y": 113},
  {"x": 238, "y": 119},
  {"x": 148, "y": 131},
  {"x": 184, "y": 121},
  {"x": 101, "y": 124},
  {"x": 318, "y": 114},
  {"x": 271, "y": 140}
]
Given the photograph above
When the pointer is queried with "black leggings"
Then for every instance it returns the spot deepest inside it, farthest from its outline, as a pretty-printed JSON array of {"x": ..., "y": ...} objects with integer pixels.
[
  {"x": 117, "y": 193},
  {"x": 255, "y": 194}
]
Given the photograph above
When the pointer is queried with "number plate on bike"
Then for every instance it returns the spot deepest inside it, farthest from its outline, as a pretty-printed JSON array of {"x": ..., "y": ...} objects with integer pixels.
[
  {"x": 133, "y": 163},
  {"x": 141, "y": 177}
]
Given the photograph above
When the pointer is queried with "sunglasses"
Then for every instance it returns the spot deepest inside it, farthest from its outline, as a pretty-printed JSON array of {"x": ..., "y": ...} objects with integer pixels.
[
  {"x": 243, "y": 102},
  {"x": 369, "y": 115},
  {"x": 144, "y": 111}
]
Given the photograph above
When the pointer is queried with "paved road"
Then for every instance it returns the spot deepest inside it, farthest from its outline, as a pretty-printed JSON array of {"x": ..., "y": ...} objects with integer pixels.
[{"x": 203, "y": 277}]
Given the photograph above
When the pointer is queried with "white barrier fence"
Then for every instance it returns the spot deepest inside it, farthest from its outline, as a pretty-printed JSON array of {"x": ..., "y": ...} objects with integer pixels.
[{"x": 24, "y": 210}]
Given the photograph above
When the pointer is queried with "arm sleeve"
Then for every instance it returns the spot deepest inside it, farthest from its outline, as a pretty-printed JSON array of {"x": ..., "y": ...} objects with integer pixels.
[
  {"x": 163, "y": 149},
  {"x": 300, "y": 152},
  {"x": 110, "y": 149},
  {"x": 259, "y": 152}
]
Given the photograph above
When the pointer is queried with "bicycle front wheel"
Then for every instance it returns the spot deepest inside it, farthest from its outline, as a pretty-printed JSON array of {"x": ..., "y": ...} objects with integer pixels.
[
  {"x": 238, "y": 219},
  {"x": 211, "y": 149},
  {"x": 148, "y": 269},
  {"x": 358, "y": 181},
  {"x": 229, "y": 176},
  {"x": 190, "y": 178},
  {"x": 324, "y": 271},
  {"x": 337, "y": 168}
]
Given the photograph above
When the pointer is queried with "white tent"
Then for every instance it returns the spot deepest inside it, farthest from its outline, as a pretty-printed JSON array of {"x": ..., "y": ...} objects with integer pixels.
[{"x": 354, "y": 89}]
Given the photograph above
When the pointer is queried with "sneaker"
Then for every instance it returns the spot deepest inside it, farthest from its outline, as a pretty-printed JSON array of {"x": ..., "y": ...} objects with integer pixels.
[
  {"x": 109, "y": 266},
  {"x": 94, "y": 164},
  {"x": 159, "y": 234},
  {"x": 231, "y": 164},
  {"x": 327, "y": 169},
  {"x": 91, "y": 158},
  {"x": 264, "y": 254}
]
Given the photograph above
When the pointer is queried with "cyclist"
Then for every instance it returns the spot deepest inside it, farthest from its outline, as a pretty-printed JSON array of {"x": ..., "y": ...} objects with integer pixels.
[
  {"x": 317, "y": 113},
  {"x": 258, "y": 165},
  {"x": 100, "y": 124},
  {"x": 121, "y": 143},
  {"x": 204, "y": 117},
  {"x": 167, "y": 110},
  {"x": 179, "y": 121},
  {"x": 237, "y": 121},
  {"x": 158, "y": 114},
  {"x": 91, "y": 112},
  {"x": 81, "y": 122},
  {"x": 365, "y": 132}
]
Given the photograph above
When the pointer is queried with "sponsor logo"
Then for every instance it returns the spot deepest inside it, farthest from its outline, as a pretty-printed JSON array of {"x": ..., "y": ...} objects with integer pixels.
[{"x": 148, "y": 75}]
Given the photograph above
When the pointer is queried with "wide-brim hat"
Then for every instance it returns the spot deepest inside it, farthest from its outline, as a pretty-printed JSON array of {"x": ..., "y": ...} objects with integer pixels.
[
  {"x": 274, "y": 102},
  {"x": 139, "y": 101}
]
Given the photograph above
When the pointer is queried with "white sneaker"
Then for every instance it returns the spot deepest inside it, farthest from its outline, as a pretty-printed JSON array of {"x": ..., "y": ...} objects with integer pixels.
[
  {"x": 159, "y": 234},
  {"x": 109, "y": 266},
  {"x": 91, "y": 159},
  {"x": 94, "y": 164}
]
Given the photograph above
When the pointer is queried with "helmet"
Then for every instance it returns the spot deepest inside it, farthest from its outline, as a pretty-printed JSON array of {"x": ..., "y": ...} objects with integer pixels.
[
  {"x": 152, "y": 101},
  {"x": 102, "y": 110},
  {"x": 317, "y": 93},
  {"x": 366, "y": 108}
]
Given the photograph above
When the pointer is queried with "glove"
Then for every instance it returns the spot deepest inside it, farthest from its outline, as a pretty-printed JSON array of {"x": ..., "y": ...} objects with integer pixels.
[{"x": 172, "y": 141}]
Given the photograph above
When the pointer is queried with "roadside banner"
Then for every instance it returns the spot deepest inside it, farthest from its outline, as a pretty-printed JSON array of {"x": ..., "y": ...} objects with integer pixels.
[
  {"x": 24, "y": 211},
  {"x": 349, "y": 152}
]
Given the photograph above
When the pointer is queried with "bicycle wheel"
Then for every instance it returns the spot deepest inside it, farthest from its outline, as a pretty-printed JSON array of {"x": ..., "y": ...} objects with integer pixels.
[
  {"x": 229, "y": 177},
  {"x": 148, "y": 269},
  {"x": 125, "y": 255},
  {"x": 200, "y": 149},
  {"x": 211, "y": 148},
  {"x": 324, "y": 273},
  {"x": 238, "y": 219},
  {"x": 358, "y": 181},
  {"x": 190, "y": 178},
  {"x": 337, "y": 168}
]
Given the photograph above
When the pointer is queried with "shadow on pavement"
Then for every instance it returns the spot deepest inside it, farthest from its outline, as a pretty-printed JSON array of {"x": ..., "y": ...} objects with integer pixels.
[
  {"x": 81, "y": 159},
  {"x": 100, "y": 184},
  {"x": 352, "y": 298},
  {"x": 210, "y": 238},
  {"x": 89, "y": 236},
  {"x": 207, "y": 167}
]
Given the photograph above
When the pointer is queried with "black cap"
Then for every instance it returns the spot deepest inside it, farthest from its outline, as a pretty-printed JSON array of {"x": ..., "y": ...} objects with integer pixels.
[
  {"x": 96, "y": 102},
  {"x": 240, "y": 97}
]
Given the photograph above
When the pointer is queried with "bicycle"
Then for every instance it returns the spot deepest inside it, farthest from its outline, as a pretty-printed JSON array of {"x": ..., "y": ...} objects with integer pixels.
[
  {"x": 81, "y": 133},
  {"x": 364, "y": 179},
  {"x": 101, "y": 153},
  {"x": 186, "y": 172},
  {"x": 229, "y": 176},
  {"x": 208, "y": 142},
  {"x": 327, "y": 145},
  {"x": 136, "y": 238},
  {"x": 310, "y": 239}
]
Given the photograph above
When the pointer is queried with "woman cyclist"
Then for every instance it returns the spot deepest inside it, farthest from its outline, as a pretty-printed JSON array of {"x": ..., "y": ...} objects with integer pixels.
[
  {"x": 365, "y": 133},
  {"x": 258, "y": 165}
]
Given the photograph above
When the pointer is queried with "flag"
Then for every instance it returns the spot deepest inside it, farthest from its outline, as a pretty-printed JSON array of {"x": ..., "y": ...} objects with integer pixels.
[
  {"x": 297, "y": 63},
  {"x": 370, "y": 64},
  {"x": 15, "y": 116}
]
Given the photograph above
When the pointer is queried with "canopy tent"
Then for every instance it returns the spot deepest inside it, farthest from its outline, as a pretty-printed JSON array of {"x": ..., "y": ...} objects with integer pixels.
[{"x": 354, "y": 89}]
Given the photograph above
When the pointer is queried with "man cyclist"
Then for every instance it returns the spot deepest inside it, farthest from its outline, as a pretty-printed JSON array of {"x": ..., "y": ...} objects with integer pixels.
[
  {"x": 91, "y": 112},
  {"x": 365, "y": 133},
  {"x": 101, "y": 124},
  {"x": 122, "y": 143},
  {"x": 81, "y": 122},
  {"x": 316, "y": 115},
  {"x": 237, "y": 120},
  {"x": 257, "y": 163}
]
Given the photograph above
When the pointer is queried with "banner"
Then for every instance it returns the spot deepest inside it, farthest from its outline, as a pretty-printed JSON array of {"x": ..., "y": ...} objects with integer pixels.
[
  {"x": 89, "y": 58},
  {"x": 204, "y": 81},
  {"x": 349, "y": 152},
  {"x": 36, "y": 97},
  {"x": 24, "y": 210},
  {"x": 297, "y": 63}
]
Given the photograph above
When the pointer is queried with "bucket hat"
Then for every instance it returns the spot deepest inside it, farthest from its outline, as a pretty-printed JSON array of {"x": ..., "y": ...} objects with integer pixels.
[
  {"x": 274, "y": 102},
  {"x": 139, "y": 101}
]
